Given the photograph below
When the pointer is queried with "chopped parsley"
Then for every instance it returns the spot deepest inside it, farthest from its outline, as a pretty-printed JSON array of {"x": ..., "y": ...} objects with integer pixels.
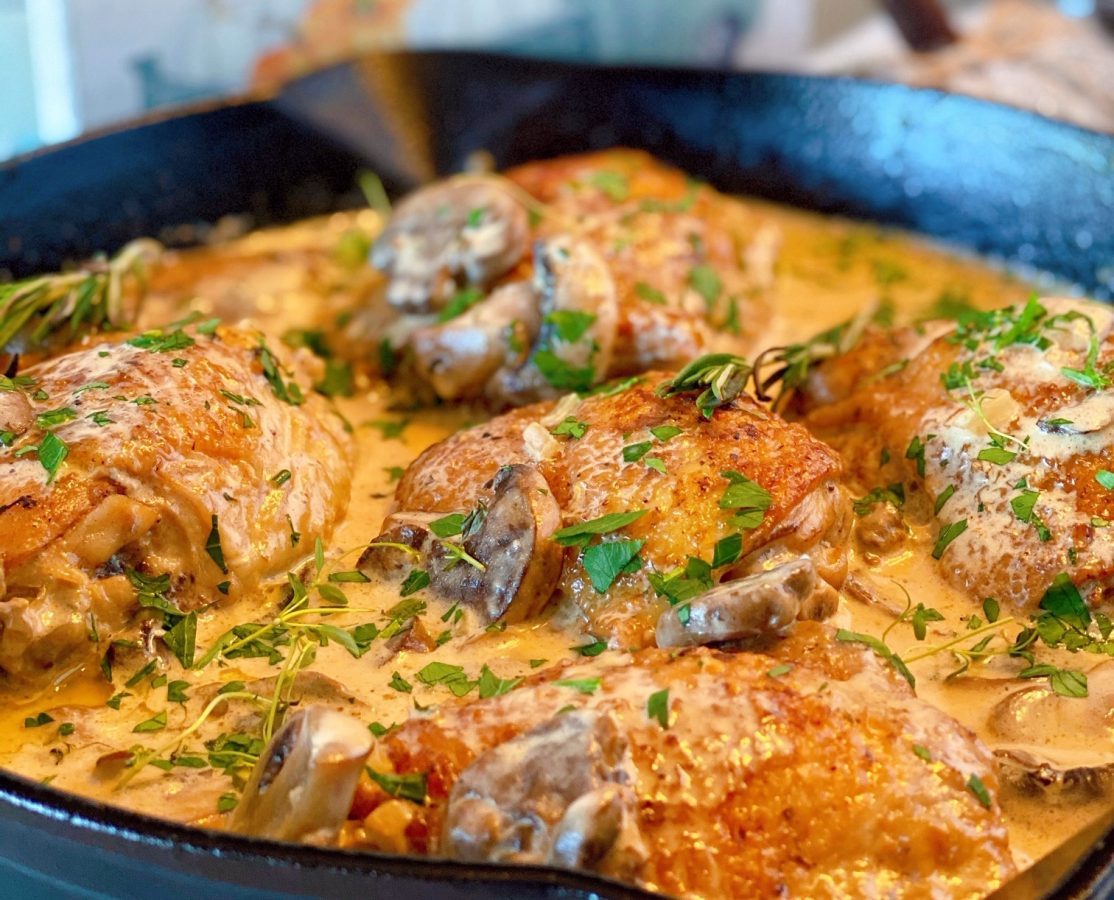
[
  {"x": 159, "y": 341},
  {"x": 581, "y": 534},
  {"x": 607, "y": 560},
  {"x": 614, "y": 184},
  {"x": 570, "y": 325},
  {"x": 665, "y": 433},
  {"x": 1023, "y": 506},
  {"x": 706, "y": 282},
  {"x": 893, "y": 494},
  {"x": 593, "y": 649},
  {"x": 944, "y": 496},
  {"x": 460, "y": 302},
  {"x": 412, "y": 787},
  {"x": 581, "y": 685},
  {"x": 997, "y": 455},
  {"x": 727, "y": 550},
  {"x": 657, "y": 707},
  {"x": 213, "y": 546},
  {"x": 635, "y": 452},
  {"x": 415, "y": 581},
  {"x": 975, "y": 786},
  {"x": 571, "y": 427},
  {"x": 55, "y": 417},
  {"x": 915, "y": 451},
  {"x": 52, "y": 452},
  {"x": 645, "y": 292},
  {"x": 748, "y": 498},
  {"x": 948, "y": 533}
]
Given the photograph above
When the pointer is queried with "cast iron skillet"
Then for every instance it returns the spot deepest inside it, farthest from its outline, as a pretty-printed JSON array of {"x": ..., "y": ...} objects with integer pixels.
[{"x": 991, "y": 179}]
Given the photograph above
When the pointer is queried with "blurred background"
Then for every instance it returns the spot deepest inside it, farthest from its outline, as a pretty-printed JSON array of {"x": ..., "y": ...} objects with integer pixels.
[{"x": 71, "y": 66}]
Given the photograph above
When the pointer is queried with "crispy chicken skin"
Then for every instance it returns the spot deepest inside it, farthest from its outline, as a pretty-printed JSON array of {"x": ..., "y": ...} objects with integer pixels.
[
  {"x": 654, "y": 225},
  {"x": 1015, "y": 425},
  {"x": 586, "y": 478},
  {"x": 809, "y": 772},
  {"x": 567, "y": 272},
  {"x": 167, "y": 449}
]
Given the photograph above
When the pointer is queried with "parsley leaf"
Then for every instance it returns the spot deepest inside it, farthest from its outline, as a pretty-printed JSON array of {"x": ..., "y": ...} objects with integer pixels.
[
  {"x": 570, "y": 324},
  {"x": 657, "y": 707},
  {"x": 412, "y": 787},
  {"x": 52, "y": 452},
  {"x": 571, "y": 427},
  {"x": 748, "y": 497},
  {"x": 580, "y": 535},
  {"x": 213, "y": 546},
  {"x": 948, "y": 533},
  {"x": 604, "y": 562}
]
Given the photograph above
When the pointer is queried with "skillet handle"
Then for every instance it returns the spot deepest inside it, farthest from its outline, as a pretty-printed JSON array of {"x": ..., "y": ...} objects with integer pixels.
[{"x": 923, "y": 23}]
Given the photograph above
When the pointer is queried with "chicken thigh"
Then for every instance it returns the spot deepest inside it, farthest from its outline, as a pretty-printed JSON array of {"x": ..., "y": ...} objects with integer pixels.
[
  {"x": 567, "y": 272},
  {"x": 811, "y": 772},
  {"x": 997, "y": 427},
  {"x": 163, "y": 471},
  {"x": 657, "y": 523}
]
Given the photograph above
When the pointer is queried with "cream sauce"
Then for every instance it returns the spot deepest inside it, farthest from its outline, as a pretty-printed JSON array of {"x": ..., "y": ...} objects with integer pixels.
[{"x": 828, "y": 270}]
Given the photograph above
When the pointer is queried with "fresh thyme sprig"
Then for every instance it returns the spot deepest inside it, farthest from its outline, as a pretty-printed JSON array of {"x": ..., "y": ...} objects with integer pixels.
[
  {"x": 719, "y": 378},
  {"x": 34, "y": 310},
  {"x": 792, "y": 363}
]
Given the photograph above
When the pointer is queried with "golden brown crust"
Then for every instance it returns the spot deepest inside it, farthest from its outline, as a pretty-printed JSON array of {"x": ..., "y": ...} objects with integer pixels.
[
  {"x": 143, "y": 480},
  {"x": 805, "y": 782},
  {"x": 589, "y": 479}
]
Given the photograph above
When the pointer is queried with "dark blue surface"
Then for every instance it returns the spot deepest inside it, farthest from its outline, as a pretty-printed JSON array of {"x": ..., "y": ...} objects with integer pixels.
[{"x": 984, "y": 177}]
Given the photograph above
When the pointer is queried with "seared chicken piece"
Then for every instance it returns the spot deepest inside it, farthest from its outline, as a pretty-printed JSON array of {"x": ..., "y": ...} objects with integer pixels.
[
  {"x": 183, "y": 453},
  {"x": 633, "y": 266},
  {"x": 812, "y": 772},
  {"x": 1001, "y": 428},
  {"x": 679, "y": 502}
]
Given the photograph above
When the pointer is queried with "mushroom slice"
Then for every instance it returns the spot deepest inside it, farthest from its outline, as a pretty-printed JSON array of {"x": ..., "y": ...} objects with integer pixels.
[
  {"x": 302, "y": 787},
  {"x": 579, "y": 319},
  {"x": 758, "y": 606},
  {"x": 514, "y": 544},
  {"x": 403, "y": 538},
  {"x": 16, "y": 415},
  {"x": 458, "y": 357},
  {"x": 464, "y": 232},
  {"x": 1055, "y": 744},
  {"x": 558, "y": 794}
]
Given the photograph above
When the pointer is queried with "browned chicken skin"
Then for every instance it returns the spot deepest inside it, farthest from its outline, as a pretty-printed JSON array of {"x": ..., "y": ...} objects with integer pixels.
[
  {"x": 172, "y": 457},
  {"x": 628, "y": 265},
  {"x": 999, "y": 428},
  {"x": 811, "y": 772},
  {"x": 673, "y": 481}
]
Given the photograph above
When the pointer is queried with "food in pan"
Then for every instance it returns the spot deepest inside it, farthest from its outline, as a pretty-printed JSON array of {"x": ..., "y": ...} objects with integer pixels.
[
  {"x": 564, "y": 274},
  {"x": 580, "y": 516},
  {"x": 143, "y": 474}
]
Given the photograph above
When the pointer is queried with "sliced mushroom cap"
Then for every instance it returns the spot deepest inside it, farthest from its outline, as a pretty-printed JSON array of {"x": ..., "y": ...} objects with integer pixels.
[
  {"x": 558, "y": 794},
  {"x": 764, "y": 605},
  {"x": 387, "y": 556},
  {"x": 458, "y": 357},
  {"x": 302, "y": 787},
  {"x": 522, "y": 563},
  {"x": 16, "y": 415},
  {"x": 453, "y": 234},
  {"x": 1052, "y": 743},
  {"x": 579, "y": 316}
]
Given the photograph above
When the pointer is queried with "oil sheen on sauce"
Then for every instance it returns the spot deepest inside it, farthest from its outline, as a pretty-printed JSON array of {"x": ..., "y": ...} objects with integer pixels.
[{"x": 828, "y": 270}]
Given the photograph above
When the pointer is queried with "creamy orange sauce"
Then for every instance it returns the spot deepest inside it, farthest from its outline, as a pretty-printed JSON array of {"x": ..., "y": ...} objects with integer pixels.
[{"x": 828, "y": 270}]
